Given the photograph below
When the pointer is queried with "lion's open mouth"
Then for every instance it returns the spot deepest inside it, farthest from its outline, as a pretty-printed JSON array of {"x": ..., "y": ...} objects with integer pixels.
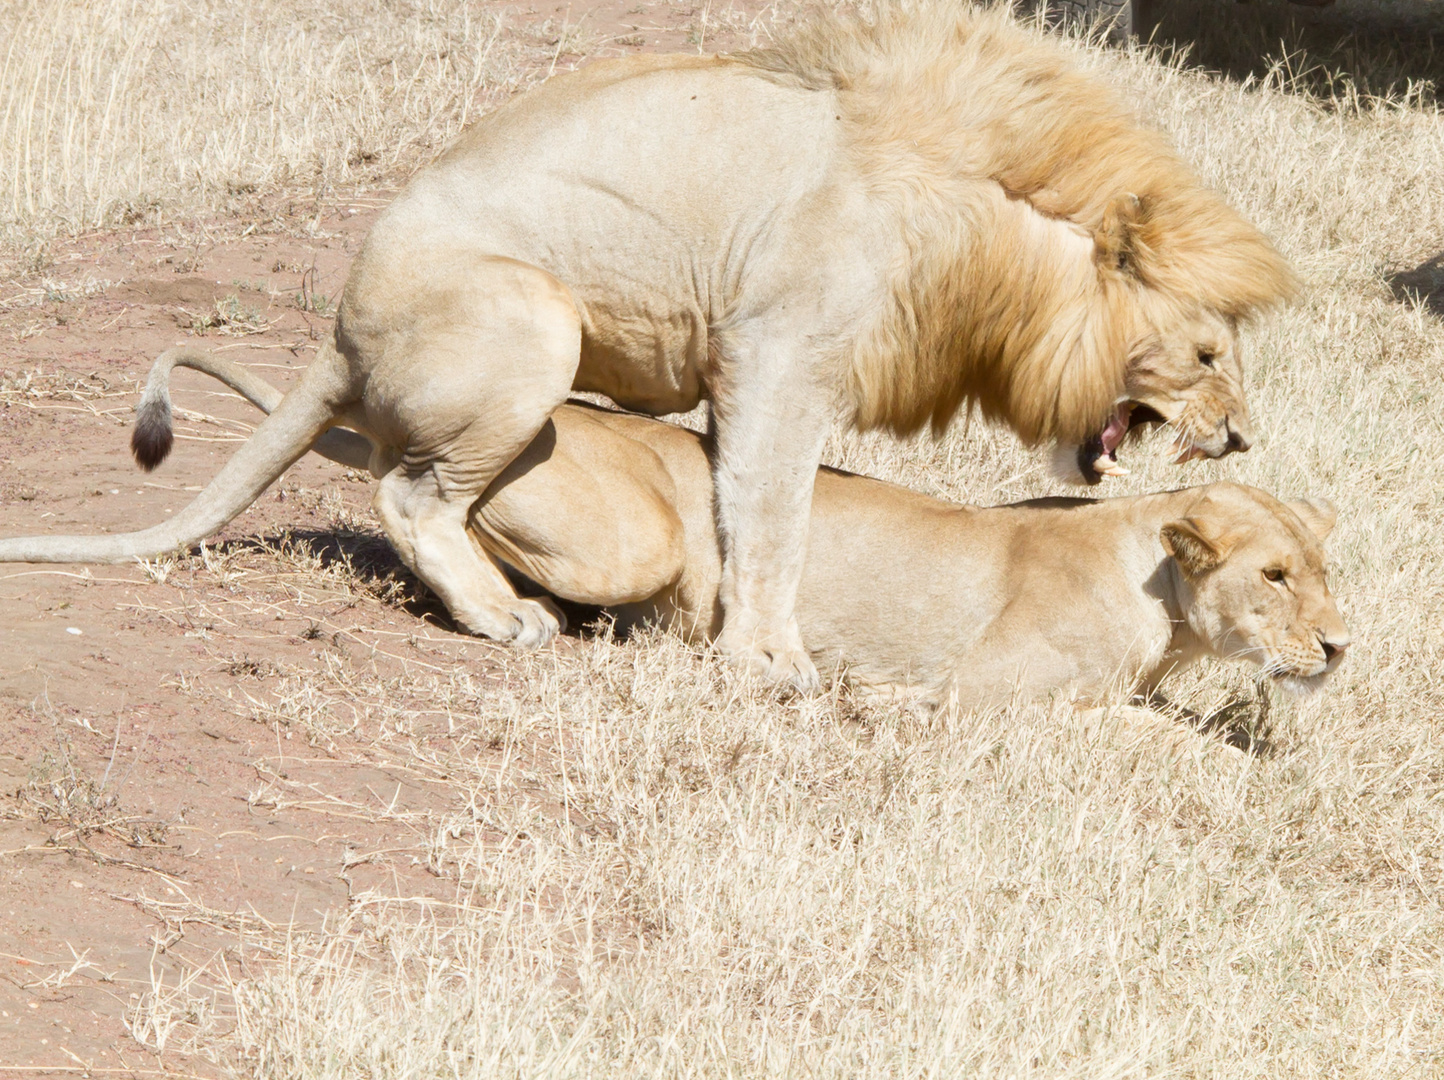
[{"x": 1098, "y": 457}]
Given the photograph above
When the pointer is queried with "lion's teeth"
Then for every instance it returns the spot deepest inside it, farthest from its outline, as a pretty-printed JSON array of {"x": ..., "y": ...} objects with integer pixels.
[{"x": 1106, "y": 466}]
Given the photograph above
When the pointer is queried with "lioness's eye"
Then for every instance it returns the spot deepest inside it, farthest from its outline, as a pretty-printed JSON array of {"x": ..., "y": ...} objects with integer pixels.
[
  {"x": 1205, "y": 357},
  {"x": 1274, "y": 574}
]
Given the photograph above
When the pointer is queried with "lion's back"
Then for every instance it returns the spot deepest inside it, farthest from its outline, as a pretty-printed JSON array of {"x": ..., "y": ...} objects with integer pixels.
[
  {"x": 652, "y": 188},
  {"x": 625, "y": 154}
]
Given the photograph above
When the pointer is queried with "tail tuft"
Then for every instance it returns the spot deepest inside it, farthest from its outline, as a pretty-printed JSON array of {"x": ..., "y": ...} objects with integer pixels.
[{"x": 152, "y": 437}]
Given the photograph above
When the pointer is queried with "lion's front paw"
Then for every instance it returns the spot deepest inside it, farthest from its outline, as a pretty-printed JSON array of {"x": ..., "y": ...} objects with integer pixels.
[
  {"x": 784, "y": 665},
  {"x": 792, "y": 667},
  {"x": 527, "y": 624}
]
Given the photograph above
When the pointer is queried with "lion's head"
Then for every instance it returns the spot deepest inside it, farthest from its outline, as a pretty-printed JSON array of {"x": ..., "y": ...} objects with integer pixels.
[
  {"x": 1060, "y": 268},
  {"x": 1189, "y": 378},
  {"x": 1254, "y": 571},
  {"x": 1179, "y": 314}
]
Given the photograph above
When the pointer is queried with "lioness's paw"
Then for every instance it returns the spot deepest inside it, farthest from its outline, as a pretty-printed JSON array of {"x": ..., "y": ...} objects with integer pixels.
[{"x": 527, "y": 624}]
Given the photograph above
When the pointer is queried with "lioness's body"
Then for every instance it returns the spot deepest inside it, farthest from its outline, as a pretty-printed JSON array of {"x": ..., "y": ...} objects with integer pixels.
[
  {"x": 889, "y": 220},
  {"x": 966, "y": 604}
]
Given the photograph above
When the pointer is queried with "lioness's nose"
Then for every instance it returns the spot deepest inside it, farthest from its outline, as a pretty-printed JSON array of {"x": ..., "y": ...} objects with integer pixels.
[
  {"x": 1239, "y": 438},
  {"x": 1334, "y": 648}
]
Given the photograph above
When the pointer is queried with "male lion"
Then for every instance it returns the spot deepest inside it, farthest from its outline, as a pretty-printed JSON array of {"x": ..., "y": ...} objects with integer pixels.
[
  {"x": 949, "y": 603},
  {"x": 890, "y": 219}
]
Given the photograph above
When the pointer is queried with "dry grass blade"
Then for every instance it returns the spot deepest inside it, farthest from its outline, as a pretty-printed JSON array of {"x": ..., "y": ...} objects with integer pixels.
[
  {"x": 306, "y": 95},
  {"x": 38, "y": 384},
  {"x": 161, "y": 1012}
]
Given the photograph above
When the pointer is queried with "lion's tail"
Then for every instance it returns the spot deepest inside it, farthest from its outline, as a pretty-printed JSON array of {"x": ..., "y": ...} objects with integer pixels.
[
  {"x": 294, "y": 424},
  {"x": 153, "y": 435}
]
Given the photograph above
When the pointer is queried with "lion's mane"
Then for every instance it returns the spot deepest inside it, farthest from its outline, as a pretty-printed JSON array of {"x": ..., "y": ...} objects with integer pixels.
[{"x": 952, "y": 111}]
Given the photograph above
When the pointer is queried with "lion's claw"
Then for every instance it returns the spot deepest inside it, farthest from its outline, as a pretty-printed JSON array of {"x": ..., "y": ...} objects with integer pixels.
[
  {"x": 527, "y": 624},
  {"x": 782, "y": 667}
]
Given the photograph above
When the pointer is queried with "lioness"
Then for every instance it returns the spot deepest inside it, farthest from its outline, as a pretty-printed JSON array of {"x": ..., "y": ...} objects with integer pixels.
[
  {"x": 906, "y": 592},
  {"x": 890, "y": 218},
  {"x": 950, "y": 603}
]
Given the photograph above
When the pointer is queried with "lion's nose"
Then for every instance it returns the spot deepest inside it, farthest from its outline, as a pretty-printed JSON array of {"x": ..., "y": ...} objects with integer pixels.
[{"x": 1334, "y": 648}]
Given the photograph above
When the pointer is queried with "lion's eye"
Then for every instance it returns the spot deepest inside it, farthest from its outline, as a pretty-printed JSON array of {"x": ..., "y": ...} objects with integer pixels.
[
  {"x": 1274, "y": 574},
  {"x": 1205, "y": 357}
]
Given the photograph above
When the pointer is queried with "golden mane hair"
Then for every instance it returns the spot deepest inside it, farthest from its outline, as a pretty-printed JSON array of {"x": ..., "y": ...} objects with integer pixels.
[{"x": 1047, "y": 231}]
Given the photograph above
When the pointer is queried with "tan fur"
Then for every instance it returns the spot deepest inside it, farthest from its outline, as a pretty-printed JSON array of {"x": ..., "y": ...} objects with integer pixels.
[
  {"x": 952, "y": 604},
  {"x": 950, "y": 107},
  {"x": 895, "y": 218},
  {"x": 907, "y": 593}
]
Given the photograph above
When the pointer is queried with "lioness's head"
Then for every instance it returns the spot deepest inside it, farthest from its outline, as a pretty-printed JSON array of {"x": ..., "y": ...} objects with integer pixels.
[{"x": 1254, "y": 575}]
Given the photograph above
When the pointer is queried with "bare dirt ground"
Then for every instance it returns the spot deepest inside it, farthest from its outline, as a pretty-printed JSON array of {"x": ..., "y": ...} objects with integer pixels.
[
  {"x": 151, "y": 799},
  {"x": 116, "y": 770}
]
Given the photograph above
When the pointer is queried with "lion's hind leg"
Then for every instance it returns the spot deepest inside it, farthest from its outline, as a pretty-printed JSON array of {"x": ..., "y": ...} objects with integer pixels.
[{"x": 466, "y": 384}]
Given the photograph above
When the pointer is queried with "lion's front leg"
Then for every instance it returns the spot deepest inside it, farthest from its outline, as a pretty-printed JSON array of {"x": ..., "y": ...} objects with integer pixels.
[{"x": 768, "y": 442}]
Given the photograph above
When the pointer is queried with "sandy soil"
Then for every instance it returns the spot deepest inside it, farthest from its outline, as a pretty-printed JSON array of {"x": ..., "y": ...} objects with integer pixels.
[{"x": 152, "y": 804}]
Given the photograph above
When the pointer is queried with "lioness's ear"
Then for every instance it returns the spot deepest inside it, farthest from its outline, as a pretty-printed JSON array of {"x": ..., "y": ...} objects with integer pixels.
[
  {"x": 1113, "y": 245},
  {"x": 1318, "y": 514},
  {"x": 1194, "y": 552}
]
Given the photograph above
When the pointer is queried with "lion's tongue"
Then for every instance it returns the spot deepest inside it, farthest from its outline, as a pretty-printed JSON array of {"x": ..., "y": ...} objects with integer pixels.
[{"x": 1105, "y": 464}]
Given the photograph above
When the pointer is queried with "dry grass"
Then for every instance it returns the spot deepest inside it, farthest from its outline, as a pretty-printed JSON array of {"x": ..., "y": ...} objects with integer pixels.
[
  {"x": 118, "y": 111},
  {"x": 660, "y": 872}
]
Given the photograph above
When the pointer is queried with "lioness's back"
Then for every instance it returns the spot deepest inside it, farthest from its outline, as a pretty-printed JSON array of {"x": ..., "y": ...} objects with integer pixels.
[{"x": 898, "y": 584}]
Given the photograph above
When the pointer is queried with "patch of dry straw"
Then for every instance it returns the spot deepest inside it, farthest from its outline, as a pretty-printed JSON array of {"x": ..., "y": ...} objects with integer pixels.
[
  {"x": 116, "y": 111},
  {"x": 659, "y": 872}
]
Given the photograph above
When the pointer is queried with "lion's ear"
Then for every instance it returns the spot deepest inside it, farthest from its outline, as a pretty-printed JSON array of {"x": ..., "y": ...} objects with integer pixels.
[
  {"x": 1114, "y": 244},
  {"x": 1192, "y": 548},
  {"x": 1318, "y": 515}
]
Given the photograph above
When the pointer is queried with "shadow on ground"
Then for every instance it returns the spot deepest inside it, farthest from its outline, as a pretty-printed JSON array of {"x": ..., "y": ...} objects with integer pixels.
[
  {"x": 372, "y": 563},
  {"x": 1380, "y": 48},
  {"x": 1422, "y": 285},
  {"x": 1242, "y": 723}
]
